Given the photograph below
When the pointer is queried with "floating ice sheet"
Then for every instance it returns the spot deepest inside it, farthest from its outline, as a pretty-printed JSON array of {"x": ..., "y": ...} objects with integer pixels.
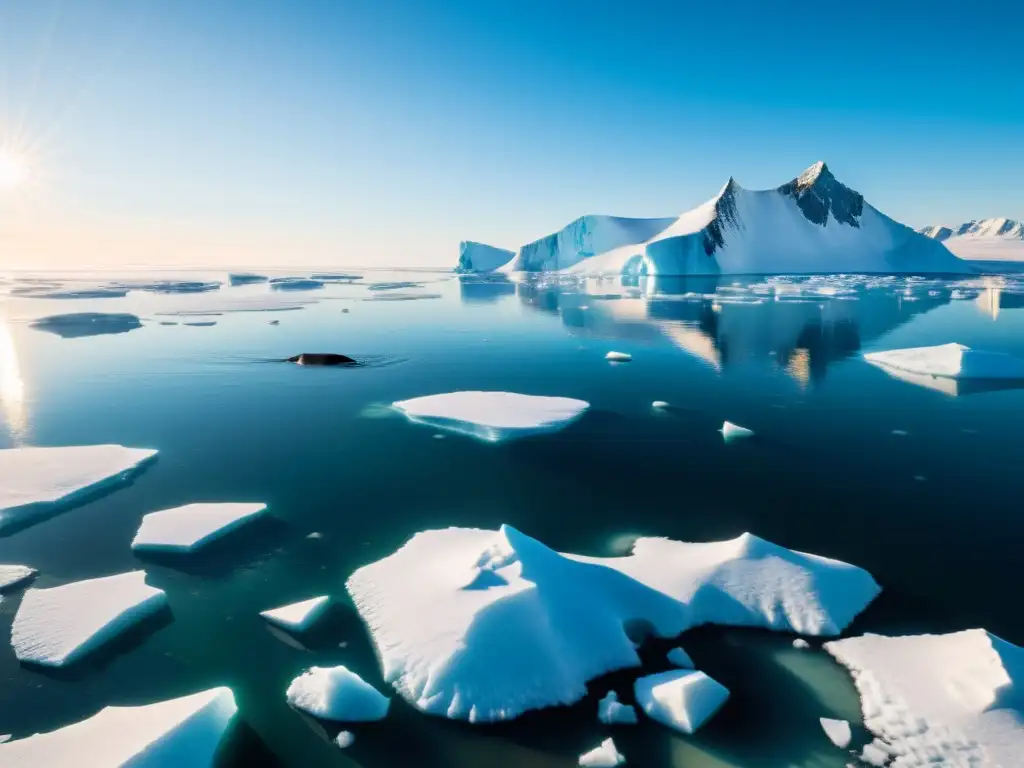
[
  {"x": 187, "y": 528},
  {"x": 335, "y": 693}
]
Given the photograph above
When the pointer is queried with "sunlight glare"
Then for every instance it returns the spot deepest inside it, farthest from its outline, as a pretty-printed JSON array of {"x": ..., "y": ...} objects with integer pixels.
[
  {"x": 13, "y": 169},
  {"x": 12, "y": 386}
]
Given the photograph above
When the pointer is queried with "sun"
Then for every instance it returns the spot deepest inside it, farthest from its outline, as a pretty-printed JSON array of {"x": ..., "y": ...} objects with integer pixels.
[{"x": 13, "y": 170}]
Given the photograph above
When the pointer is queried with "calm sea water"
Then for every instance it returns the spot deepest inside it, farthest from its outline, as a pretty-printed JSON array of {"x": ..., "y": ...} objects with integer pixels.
[{"x": 918, "y": 485}]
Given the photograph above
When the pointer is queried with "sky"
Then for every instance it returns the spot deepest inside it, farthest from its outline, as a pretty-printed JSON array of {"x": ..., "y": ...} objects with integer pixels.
[{"x": 383, "y": 132}]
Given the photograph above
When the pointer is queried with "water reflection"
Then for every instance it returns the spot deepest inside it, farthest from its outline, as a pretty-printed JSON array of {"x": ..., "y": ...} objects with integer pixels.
[
  {"x": 797, "y": 325},
  {"x": 12, "y": 386},
  {"x": 953, "y": 387},
  {"x": 484, "y": 289},
  {"x": 997, "y": 295}
]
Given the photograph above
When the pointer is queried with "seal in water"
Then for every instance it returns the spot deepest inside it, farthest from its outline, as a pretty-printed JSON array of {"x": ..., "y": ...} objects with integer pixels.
[{"x": 321, "y": 358}]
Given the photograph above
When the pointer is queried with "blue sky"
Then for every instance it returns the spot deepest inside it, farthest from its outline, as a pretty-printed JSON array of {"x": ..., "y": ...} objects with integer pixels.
[{"x": 352, "y": 132}]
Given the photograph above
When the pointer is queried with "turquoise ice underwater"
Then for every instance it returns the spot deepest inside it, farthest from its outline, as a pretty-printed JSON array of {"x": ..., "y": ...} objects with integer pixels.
[{"x": 910, "y": 476}]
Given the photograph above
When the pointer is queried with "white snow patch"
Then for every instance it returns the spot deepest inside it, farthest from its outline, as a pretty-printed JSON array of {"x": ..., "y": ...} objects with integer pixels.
[
  {"x": 57, "y": 626},
  {"x": 13, "y": 575},
  {"x": 872, "y": 754},
  {"x": 611, "y": 711},
  {"x": 953, "y": 361},
  {"x": 187, "y": 528},
  {"x": 838, "y": 731},
  {"x": 178, "y": 732},
  {"x": 345, "y": 739},
  {"x": 680, "y": 658},
  {"x": 298, "y": 616},
  {"x": 603, "y": 756},
  {"x": 335, "y": 693},
  {"x": 493, "y": 416},
  {"x": 952, "y": 699},
  {"x": 485, "y": 625},
  {"x": 683, "y": 699},
  {"x": 33, "y": 481},
  {"x": 618, "y": 357},
  {"x": 732, "y": 431}
]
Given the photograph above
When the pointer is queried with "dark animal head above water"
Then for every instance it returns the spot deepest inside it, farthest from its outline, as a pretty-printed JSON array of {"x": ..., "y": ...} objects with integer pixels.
[{"x": 321, "y": 358}]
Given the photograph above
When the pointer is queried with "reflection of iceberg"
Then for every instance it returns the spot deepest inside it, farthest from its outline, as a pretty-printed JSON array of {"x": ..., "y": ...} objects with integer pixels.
[
  {"x": 953, "y": 387},
  {"x": 485, "y": 289},
  {"x": 952, "y": 369}
]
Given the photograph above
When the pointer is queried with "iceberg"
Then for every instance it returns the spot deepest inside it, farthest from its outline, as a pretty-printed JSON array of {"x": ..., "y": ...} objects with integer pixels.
[
  {"x": 838, "y": 731},
  {"x": 35, "y": 482},
  {"x": 618, "y": 357},
  {"x": 493, "y": 416},
  {"x": 953, "y": 361},
  {"x": 335, "y": 693},
  {"x": 14, "y": 575},
  {"x": 683, "y": 699},
  {"x": 179, "y": 732},
  {"x": 478, "y": 257},
  {"x": 187, "y": 528},
  {"x": 57, "y": 626},
  {"x": 611, "y": 711},
  {"x": 680, "y": 658},
  {"x": 298, "y": 617},
  {"x": 484, "y": 625},
  {"x": 954, "y": 699},
  {"x": 603, "y": 756},
  {"x": 732, "y": 431}
]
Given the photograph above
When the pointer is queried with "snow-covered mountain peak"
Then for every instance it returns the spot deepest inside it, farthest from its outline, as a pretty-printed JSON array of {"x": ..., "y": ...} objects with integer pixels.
[
  {"x": 811, "y": 175},
  {"x": 818, "y": 193},
  {"x": 998, "y": 239}
]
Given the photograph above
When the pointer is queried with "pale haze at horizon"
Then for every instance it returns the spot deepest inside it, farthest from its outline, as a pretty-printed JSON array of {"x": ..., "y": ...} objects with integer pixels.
[{"x": 265, "y": 133}]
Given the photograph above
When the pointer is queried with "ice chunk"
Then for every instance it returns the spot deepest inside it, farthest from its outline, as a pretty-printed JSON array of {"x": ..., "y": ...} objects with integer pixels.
[
  {"x": 298, "y": 616},
  {"x": 14, "y": 575},
  {"x": 659, "y": 404},
  {"x": 800, "y": 644},
  {"x": 485, "y": 625},
  {"x": 612, "y": 712},
  {"x": 178, "y": 732},
  {"x": 493, "y": 416},
  {"x": 345, "y": 739},
  {"x": 618, "y": 357},
  {"x": 57, "y": 626},
  {"x": 295, "y": 284},
  {"x": 683, "y": 699},
  {"x": 187, "y": 528},
  {"x": 872, "y": 754},
  {"x": 604, "y": 756},
  {"x": 5, "y": 737},
  {"x": 245, "y": 278},
  {"x": 731, "y": 431},
  {"x": 479, "y": 257},
  {"x": 680, "y": 658},
  {"x": 36, "y": 481},
  {"x": 838, "y": 731},
  {"x": 953, "y": 361},
  {"x": 335, "y": 693},
  {"x": 76, "y": 325},
  {"x": 955, "y": 699}
]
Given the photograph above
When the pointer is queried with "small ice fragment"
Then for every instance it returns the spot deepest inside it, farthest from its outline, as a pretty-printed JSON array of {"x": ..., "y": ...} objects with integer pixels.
[
  {"x": 14, "y": 575},
  {"x": 315, "y": 535},
  {"x": 611, "y": 711},
  {"x": 920, "y": 478},
  {"x": 659, "y": 404},
  {"x": 335, "y": 693},
  {"x": 874, "y": 755},
  {"x": 604, "y": 756},
  {"x": 683, "y": 699},
  {"x": 187, "y": 528},
  {"x": 900, "y": 432},
  {"x": 345, "y": 739},
  {"x": 298, "y": 617},
  {"x": 680, "y": 658},
  {"x": 439, "y": 436},
  {"x": 5, "y": 737},
  {"x": 731, "y": 431},
  {"x": 800, "y": 644},
  {"x": 838, "y": 731},
  {"x": 618, "y": 357}
]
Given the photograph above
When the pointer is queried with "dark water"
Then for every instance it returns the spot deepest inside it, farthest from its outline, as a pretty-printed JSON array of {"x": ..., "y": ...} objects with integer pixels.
[{"x": 934, "y": 513}]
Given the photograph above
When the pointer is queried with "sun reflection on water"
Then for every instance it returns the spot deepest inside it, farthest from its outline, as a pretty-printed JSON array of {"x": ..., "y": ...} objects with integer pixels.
[{"x": 12, "y": 385}]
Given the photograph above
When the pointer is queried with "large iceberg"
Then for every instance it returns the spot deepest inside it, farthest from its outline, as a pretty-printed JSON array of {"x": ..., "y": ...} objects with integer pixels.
[
  {"x": 484, "y": 625},
  {"x": 190, "y": 527},
  {"x": 36, "y": 481},
  {"x": 955, "y": 699},
  {"x": 954, "y": 361},
  {"x": 169, "y": 734},
  {"x": 57, "y": 626},
  {"x": 493, "y": 416},
  {"x": 478, "y": 257},
  {"x": 336, "y": 693}
]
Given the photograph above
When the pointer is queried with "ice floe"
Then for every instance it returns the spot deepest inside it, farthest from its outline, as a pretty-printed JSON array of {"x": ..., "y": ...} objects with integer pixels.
[
  {"x": 57, "y": 626},
  {"x": 295, "y": 284},
  {"x": 178, "y": 732},
  {"x": 298, "y": 617},
  {"x": 683, "y": 699},
  {"x": 659, "y": 404},
  {"x": 36, "y": 481},
  {"x": 187, "y": 528},
  {"x": 493, "y": 416},
  {"x": 603, "y": 756},
  {"x": 345, "y": 739},
  {"x": 732, "y": 431},
  {"x": 485, "y": 625},
  {"x": 800, "y": 644},
  {"x": 245, "y": 278},
  {"x": 618, "y": 357},
  {"x": 14, "y": 575},
  {"x": 680, "y": 658},
  {"x": 838, "y": 731},
  {"x": 611, "y": 711},
  {"x": 335, "y": 693},
  {"x": 952, "y": 699},
  {"x": 953, "y": 361},
  {"x": 76, "y": 325}
]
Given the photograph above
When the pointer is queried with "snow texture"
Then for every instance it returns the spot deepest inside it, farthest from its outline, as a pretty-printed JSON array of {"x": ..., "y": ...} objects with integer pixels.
[
  {"x": 14, "y": 575},
  {"x": 298, "y": 617},
  {"x": 485, "y": 625},
  {"x": 618, "y": 357},
  {"x": 603, "y": 756},
  {"x": 611, "y": 711},
  {"x": 680, "y": 658},
  {"x": 493, "y": 416},
  {"x": 477, "y": 257},
  {"x": 982, "y": 239},
  {"x": 683, "y": 699},
  {"x": 335, "y": 693},
  {"x": 57, "y": 626},
  {"x": 35, "y": 481},
  {"x": 953, "y": 361},
  {"x": 188, "y": 528},
  {"x": 732, "y": 431},
  {"x": 168, "y": 734},
  {"x": 955, "y": 699},
  {"x": 838, "y": 731}
]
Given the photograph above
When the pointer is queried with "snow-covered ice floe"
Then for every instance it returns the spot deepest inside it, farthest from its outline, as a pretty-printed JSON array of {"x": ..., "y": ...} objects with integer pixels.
[
  {"x": 298, "y": 616},
  {"x": 57, "y": 626},
  {"x": 611, "y": 711},
  {"x": 178, "y": 732},
  {"x": 683, "y": 699},
  {"x": 732, "y": 431},
  {"x": 335, "y": 693},
  {"x": 603, "y": 756},
  {"x": 493, "y": 416},
  {"x": 14, "y": 575},
  {"x": 838, "y": 731},
  {"x": 955, "y": 699},
  {"x": 484, "y": 625},
  {"x": 187, "y": 528},
  {"x": 36, "y": 481},
  {"x": 953, "y": 361}
]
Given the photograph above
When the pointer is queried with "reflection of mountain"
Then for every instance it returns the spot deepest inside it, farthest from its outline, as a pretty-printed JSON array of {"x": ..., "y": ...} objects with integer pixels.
[
  {"x": 484, "y": 289},
  {"x": 801, "y": 327}
]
